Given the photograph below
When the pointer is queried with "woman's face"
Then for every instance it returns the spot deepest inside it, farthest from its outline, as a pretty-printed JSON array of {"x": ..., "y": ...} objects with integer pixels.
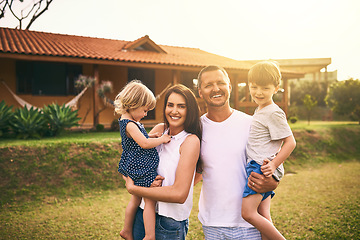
[{"x": 175, "y": 112}]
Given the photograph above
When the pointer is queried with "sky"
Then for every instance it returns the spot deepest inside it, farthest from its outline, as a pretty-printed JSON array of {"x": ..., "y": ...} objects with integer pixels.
[{"x": 238, "y": 29}]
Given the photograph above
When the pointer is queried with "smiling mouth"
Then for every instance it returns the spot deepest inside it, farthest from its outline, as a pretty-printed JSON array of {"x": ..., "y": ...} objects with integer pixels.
[
  {"x": 174, "y": 118},
  {"x": 216, "y": 96}
]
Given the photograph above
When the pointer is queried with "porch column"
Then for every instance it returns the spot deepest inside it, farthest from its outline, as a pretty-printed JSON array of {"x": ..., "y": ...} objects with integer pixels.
[
  {"x": 176, "y": 77},
  {"x": 96, "y": 96},
  {"x": 326, "y": 74},
  {"x": 286, "y": 96}
]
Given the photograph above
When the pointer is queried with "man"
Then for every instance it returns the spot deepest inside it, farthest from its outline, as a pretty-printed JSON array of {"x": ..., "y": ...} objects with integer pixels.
[{"x": 225, "y": 134}]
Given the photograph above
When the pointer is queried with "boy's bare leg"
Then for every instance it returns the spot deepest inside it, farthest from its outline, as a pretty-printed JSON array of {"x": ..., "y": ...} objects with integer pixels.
[
  {"x": 264, "y": 210},
  {"x": 250, "y": 213},
  {"x": 130, "y": 212}
]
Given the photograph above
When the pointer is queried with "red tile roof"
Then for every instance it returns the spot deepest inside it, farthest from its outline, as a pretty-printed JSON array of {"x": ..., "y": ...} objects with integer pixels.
[{"x": 27, "y": 42}]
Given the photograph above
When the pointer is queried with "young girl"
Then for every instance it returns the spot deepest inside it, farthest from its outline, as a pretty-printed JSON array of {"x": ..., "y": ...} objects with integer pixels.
[{"x": 139, "y": 159}]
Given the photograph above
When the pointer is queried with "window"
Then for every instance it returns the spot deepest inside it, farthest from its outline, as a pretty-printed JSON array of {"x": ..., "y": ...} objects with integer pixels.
[
  {"x": 147, "y": 77},
  {"x": 46, "y": 78}
]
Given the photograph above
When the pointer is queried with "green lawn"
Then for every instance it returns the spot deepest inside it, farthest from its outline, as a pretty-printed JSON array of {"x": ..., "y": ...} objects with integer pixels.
[
  {"x": 68, "y": 187},
  {"x": 322, "y": 124},
  {"x": 68, "y": 137},
  {"x": 315, "y": 203}
]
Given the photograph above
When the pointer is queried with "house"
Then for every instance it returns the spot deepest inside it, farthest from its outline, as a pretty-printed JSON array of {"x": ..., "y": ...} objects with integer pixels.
[{"x": 40, "y": 68}]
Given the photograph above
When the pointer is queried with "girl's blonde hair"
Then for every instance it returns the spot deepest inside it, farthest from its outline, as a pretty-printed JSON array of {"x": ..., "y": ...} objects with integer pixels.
[{"x": 134, "y": 95}]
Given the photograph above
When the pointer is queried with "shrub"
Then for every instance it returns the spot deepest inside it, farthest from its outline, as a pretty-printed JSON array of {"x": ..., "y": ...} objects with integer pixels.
[
  {"x": 293, "y": 119},
  {"x": 5, "y": 116},
  {"x": 59, "y": 117},
  {"x": 99, "y": 127},
  {"x": 115, "y": 126},
  {"x": 28, "y": 123}
]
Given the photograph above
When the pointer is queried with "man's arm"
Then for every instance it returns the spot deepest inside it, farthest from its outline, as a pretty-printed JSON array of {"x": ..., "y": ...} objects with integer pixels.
[{"x": 261, "y": 184}]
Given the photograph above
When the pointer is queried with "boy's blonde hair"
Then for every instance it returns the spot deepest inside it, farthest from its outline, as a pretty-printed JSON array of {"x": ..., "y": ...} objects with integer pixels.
[
  {"x": 134, "y": 95},
  {"x": 264, "y": 73}
]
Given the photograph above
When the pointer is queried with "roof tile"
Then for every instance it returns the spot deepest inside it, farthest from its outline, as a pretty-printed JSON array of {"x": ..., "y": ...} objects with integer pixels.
[{"x": 50, "y": 44}]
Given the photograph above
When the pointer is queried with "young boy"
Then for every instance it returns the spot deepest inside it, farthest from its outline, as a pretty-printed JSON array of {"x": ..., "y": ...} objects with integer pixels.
[{"x": 270, "y": 143}]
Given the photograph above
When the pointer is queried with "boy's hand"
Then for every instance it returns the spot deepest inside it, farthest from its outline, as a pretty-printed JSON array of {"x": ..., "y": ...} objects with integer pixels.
[
  {"x": 268, "y": 168},
  {"x": 158, "y": 181}
]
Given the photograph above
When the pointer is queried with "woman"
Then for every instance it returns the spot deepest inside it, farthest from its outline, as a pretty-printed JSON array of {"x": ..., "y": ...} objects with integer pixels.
[{"x": 178, "y": 160}]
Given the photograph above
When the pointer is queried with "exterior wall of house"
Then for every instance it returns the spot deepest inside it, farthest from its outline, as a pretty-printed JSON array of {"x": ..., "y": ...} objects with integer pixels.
[
  {"x": 118, "y": 75},
  {"x": 162, "y": 79},
  {"x": 8, "y": 75}
]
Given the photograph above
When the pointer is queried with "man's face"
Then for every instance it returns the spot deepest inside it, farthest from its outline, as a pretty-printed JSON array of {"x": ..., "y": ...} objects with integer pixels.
[{"x": 215, "y": 88}]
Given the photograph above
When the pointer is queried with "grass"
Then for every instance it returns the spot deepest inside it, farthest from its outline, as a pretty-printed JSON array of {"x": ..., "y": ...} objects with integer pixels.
[
  {"x": 314, "y": 125},
  {"x": 68, "y": 186},
  {"x": 315, "y": 203},
  {"x": 57, "y": 169},
  {"x": 73, "y": 137},
  {"x": 319, "y": 203}
]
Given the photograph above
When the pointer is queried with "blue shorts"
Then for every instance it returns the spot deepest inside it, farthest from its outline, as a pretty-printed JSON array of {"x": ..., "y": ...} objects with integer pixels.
[
  {"x": 165, "y": 228},
  {"x": 253, "y": 166}
]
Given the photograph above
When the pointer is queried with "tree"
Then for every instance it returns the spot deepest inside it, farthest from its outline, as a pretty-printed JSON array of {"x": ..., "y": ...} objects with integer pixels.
[
  {"x": 317, "y": 90},
  {"x": 104, "y": 88},
  {"x": 310, "y": 103},
  {"x": 344, "y": 98},
  {"x": 26, "y": 12}
]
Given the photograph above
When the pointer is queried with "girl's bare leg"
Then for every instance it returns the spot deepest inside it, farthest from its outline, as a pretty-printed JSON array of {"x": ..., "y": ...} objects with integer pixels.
[
  {"x": 149, "y": 219},
  {"x": 249, "y": 210},
  {"x": 130, "y": 212}
]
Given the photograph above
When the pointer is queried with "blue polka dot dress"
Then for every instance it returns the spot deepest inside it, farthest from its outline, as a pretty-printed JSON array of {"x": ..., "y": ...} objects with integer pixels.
[{"x": 137, "y": 163}]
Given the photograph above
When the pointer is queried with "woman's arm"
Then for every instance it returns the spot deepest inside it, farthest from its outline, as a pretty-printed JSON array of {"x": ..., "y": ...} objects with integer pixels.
[{"x": 179, "y": 191}]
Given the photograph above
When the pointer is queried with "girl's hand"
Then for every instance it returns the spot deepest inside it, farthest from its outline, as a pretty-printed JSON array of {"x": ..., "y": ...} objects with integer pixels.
[
  {"x": 129, "y": 183},
  {"x": 155, "y": 135},
  {"x": 166, "y": 138},
  {"x": 268, "y": 168},
  {"x": 158, "y": 181}
]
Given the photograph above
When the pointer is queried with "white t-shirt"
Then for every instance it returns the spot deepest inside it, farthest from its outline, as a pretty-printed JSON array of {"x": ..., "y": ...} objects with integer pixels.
[{"x": 223, "y": 152}]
